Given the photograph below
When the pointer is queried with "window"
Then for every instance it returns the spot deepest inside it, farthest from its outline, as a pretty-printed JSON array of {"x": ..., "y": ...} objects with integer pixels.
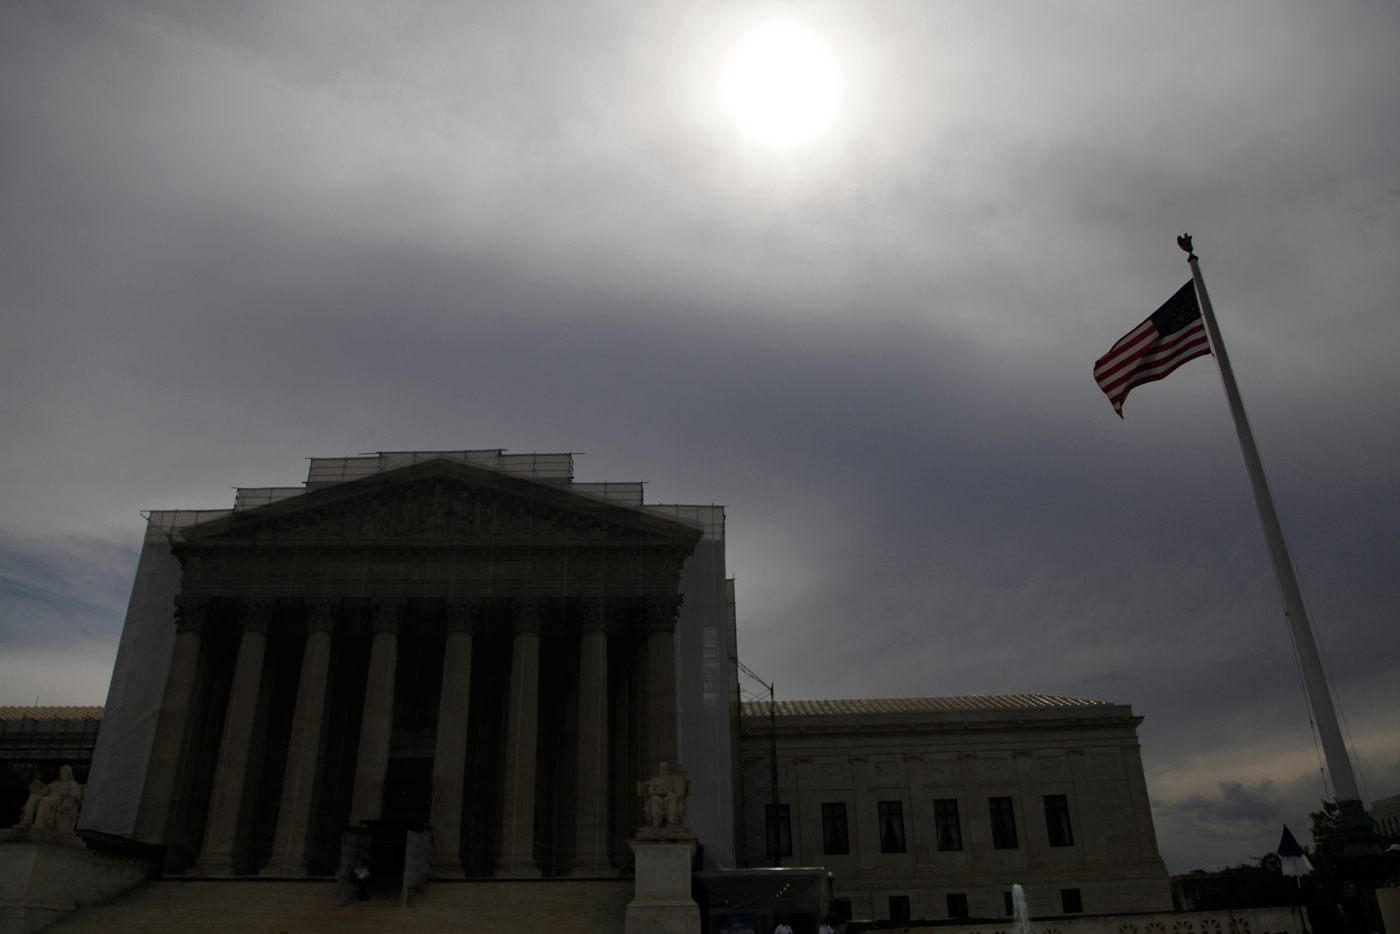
[
  {"x": 957, "y": 905},
  {"x": 891, "y": 827},
  {"x": 1057, "y": 821},
  {"x": 841, "y": 908},
  {"x": 1010, "y": 906},
  {"x": 1070, "y": 902},
  {"x": 779, "y": 822},
  {"x": 945, "y": 823},
  {"x": 835, "y": 840},
  {"x": 1003, "y": 824},
  {"x": 899, "y": 907}
]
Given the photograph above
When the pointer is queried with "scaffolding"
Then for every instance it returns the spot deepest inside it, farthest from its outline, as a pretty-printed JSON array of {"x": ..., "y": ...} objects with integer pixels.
[{"x": 762, "y": 830}]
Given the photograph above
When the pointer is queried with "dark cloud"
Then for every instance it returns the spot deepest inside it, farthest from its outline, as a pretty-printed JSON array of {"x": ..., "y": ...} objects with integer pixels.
[{"x": 237, "y": 237}]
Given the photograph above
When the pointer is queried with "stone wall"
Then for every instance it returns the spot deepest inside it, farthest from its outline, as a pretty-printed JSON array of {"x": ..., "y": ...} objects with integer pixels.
[
  {"x": 1240, "y": 921},
  {"x": 42, "y": 881}
]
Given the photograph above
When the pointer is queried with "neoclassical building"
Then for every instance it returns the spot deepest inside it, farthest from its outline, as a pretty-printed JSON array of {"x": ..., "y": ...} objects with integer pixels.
[
  {"x": 466, "y": 640},
  {"x": 475, "y": 645}
]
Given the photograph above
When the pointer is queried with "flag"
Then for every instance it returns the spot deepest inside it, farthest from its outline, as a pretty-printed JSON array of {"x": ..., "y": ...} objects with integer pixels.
[
  {"x": 1295, "y": 861},
  {"x": 1174, "y": 334}
]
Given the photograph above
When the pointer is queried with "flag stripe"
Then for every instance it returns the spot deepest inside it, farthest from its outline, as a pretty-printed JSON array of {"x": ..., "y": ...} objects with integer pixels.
[
  {"x": 1128, "y": 349},
  {"x": 1194, "y": 336},
  {"x": 1163, "y": 368}
]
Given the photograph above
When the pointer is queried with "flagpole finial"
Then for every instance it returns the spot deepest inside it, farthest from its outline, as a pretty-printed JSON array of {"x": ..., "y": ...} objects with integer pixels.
[{"x": 1184, "y": 241}]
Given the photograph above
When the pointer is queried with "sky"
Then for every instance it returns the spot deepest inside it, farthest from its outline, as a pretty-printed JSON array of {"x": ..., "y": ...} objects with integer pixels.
[{"x": 239, "y": 235}]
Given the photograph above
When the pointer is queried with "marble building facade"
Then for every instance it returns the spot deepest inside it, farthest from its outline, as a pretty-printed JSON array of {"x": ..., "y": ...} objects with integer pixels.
[
  {"x": 457, "y": 639},
  {"x": 932, "y": 808}
]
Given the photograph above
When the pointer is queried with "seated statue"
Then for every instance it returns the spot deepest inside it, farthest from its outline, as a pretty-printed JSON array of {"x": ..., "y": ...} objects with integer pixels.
[
  {"x": 53, "y": 806},
  {"x": 663, "y": 798}
]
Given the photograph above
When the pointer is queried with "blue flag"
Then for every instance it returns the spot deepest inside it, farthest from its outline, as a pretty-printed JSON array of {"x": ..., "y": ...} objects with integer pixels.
[{"x": 1295, "y": 861}]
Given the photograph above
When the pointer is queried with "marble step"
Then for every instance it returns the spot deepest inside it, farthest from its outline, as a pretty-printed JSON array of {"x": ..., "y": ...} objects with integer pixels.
[{"x": 269, "y": 907}]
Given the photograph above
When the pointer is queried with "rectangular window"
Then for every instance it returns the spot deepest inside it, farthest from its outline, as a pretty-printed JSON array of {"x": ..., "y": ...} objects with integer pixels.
[
  {"x": 1010, "y": 906},
  {"x": 779, "y": 822},
  {"x": 957, "y": 905},
  {"x": 835, "y": 840},
  {"x": 945, "y": 823},
  {"x": 1057, "y": 820},
  {"x": 1070, "y": 902},
  {"x": 841, "y": 909},
  {"x": 1003, "y": 824},
  {"x": 899, "y": 907},
  {"x": 891, "y": 827}
]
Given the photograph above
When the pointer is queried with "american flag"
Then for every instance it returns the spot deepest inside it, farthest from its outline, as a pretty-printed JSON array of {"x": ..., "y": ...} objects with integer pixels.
[{"x": 1174, "y": 334}]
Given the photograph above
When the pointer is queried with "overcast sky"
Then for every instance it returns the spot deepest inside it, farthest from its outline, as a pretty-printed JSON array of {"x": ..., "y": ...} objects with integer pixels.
[{"x": 239, "y": 235}]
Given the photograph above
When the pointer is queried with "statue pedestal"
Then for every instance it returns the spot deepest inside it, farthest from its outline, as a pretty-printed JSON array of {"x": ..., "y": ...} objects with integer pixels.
[
  {"x": 661, "y": 903},
  {"x": 44, "y": 874}
]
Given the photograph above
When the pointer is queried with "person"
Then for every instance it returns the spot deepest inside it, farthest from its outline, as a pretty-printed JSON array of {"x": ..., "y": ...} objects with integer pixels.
[
  {"x": 783, "y": 928},
  {"x": 826, "y": 927},
  {"x": 362, "y": 881}
]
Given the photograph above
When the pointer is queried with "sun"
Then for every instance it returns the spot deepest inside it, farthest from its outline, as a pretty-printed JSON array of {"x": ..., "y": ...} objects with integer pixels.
[{"x": 781, "y": 86}]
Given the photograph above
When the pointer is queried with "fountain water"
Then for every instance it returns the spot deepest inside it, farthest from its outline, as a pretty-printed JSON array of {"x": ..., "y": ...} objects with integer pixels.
[{"x": 1018, "y": 904}]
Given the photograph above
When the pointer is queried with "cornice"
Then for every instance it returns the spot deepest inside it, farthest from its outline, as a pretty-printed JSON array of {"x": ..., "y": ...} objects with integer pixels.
[
  {"x": 512, "y": 500},
  {"x": 759, "y": 727}
]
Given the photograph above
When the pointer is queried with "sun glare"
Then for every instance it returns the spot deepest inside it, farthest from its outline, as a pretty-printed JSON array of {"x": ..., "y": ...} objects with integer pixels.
[{"x": 781, "y": 86}]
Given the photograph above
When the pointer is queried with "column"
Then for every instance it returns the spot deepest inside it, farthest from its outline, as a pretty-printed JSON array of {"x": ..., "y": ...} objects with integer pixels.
[
  {"x": 515, "y": 852},
  {"x": 1036, "y": 839},
  {"x": 1088, "y": 836},
  {"x": 591, "y": 804},
  {"x": 169, "y": 742},
  {"x": 864, "y": 825},
  {"x": 450, "y": 753},
  {"x": 376, "y": 724},
  {"x": 304, "y": 749},
  {"x": 221, "y": 827},
  {"x": 659, "y": 706},
  {"x": 976, "y": 827},
  {"x": 922, "y": 847}
]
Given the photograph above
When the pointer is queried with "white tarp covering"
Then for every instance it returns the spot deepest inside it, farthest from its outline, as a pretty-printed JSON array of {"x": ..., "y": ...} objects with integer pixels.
[
  {"x": 702, "y": 682},
  {"x": 133, "y": 700}
]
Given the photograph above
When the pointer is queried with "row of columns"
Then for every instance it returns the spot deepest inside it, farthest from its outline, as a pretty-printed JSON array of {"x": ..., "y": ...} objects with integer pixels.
[{"x": 515, "y": 847}]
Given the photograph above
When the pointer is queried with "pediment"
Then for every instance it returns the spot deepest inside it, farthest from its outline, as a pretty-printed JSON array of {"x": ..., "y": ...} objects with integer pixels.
[{"x": 439, "y": 502}]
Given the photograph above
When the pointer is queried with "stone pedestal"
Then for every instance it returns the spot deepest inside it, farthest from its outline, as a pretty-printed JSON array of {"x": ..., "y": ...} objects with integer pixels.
[
  {"x": 46, "y": 874},
  {"x": 1389, "y": 900},
  {"x": 662, "y": 903}
]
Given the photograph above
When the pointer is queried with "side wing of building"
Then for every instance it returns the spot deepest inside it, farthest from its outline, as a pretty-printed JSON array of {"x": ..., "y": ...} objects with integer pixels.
[{"x": 934, "y": 807}]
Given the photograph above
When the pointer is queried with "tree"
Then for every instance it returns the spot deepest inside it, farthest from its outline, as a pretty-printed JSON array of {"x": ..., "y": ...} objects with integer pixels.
[
  {"x": 1260, "y": 884},
  {"x": 1324, "y": 883}
]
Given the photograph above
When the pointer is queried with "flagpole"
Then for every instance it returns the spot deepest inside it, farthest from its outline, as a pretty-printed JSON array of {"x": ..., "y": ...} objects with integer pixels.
[{"x": 1353, "y": 823}]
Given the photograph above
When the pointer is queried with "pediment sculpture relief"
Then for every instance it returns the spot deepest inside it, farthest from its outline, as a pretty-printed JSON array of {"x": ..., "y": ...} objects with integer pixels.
[{"x": 435, "y": 509}]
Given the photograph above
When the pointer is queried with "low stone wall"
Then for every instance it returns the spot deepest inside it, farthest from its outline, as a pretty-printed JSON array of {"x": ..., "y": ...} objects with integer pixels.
[
  {"x": 42, "y": 879},
  {"x": 1240, "y": 921}
]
